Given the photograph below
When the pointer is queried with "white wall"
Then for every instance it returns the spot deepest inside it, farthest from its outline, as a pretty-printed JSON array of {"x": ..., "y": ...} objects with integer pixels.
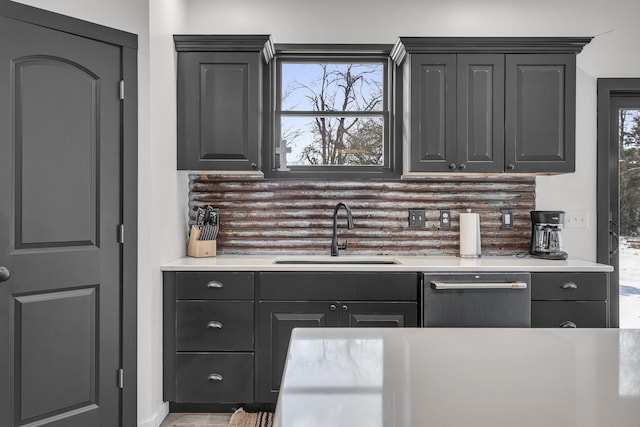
[
  {"x": 162, "y": 190},
  {"x": 163, "y": 203},
  {"x": 611, "y": 54}
]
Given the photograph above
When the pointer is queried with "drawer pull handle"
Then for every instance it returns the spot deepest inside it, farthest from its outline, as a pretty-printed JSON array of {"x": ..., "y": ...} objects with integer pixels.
[
  {"x": 569, "y": 285},
  {"x": 214, "y": 284},
  {"x": 214, "y": 324},
  {"x": 479, "y": 285},
  {"x": 214, "y": 377},
  {"x": 568, "y": 324}
]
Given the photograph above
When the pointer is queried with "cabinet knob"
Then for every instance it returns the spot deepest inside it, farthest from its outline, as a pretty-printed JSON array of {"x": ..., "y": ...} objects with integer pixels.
[
  {"x": 214, "y": 324},
  {"x": 214, "y": 377},
  {"x": 462, "y": 166},
  {"x": 568, "y": 324},
  {"x": 344, "y": 307},
  {"x": 452, "y": 166},
  {"x": 215, "y": 284},
  {"x": 254, "y": 166},
  {"x": 333, "y": 307},
  {"x": 569, "y": 285},
  {"x": 510, "y": 166}
]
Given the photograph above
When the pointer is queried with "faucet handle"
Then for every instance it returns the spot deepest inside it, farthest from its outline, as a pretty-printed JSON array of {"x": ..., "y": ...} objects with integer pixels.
[{"x": 342, "y": 246}]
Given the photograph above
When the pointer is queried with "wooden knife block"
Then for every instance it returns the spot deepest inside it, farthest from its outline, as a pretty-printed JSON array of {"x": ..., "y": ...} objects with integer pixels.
[{"x": 200, "y": 248}]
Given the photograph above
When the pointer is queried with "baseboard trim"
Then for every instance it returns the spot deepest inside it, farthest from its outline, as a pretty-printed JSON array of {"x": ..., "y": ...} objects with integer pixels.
[{"x": 157, "y": 417}]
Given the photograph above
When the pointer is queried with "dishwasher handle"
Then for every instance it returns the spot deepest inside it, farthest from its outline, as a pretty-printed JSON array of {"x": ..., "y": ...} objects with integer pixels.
[{"x": 470, "y": 285}]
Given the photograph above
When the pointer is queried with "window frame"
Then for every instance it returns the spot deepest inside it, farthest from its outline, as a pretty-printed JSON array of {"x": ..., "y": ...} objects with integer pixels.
[{"x": 334, "y": 53}]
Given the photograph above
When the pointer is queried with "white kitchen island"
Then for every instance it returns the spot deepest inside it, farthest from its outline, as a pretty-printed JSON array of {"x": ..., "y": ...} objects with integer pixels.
[{"x": 432, "y": 377}]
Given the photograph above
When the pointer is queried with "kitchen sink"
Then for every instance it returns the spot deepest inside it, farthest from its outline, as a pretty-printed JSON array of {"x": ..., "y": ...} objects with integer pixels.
[{"x": 336, "y": 260}]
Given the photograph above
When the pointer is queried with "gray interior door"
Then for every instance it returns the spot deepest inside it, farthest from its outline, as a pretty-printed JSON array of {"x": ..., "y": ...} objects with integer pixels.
[{"x": 60, "y": 206}]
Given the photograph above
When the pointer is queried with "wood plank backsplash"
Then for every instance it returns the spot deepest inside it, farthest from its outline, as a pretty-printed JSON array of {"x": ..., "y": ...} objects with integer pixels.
[{"x": 262, "y": 216}]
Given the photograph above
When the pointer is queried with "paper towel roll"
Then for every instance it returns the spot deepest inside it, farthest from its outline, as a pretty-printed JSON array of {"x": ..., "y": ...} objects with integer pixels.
[{"x": 469, "y": 235}]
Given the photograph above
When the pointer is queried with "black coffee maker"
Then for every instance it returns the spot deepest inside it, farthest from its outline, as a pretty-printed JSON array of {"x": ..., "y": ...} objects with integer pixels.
[{"x": 546, "y": 235}]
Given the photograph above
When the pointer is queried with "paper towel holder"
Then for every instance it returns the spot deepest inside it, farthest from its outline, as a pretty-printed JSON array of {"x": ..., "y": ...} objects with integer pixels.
[{"x": 470, "y": 246}]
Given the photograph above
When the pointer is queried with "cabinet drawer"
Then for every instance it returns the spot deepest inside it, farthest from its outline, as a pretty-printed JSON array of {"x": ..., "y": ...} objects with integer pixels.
[
  {"x": 330, "y": 286},
  {"x": 584, "y": 314},
  {"x": 570, "y": 286},
  {"x": 214, "y": 325},
  {"x": 214, "y": 377},
  {"x": 214, "y": 285}
]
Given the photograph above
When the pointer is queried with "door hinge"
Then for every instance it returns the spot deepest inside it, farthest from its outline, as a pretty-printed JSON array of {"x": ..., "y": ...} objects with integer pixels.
[
  {"x": 121, "y": 90},
  {"x": 121, "y": 378},
  {"x": 120, "y": 233}
]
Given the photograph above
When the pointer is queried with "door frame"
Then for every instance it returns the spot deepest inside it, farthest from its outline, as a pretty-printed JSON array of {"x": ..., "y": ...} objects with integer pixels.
[
  {"x": 609, "y": 88},
  {"x": 128, "y": 43}
]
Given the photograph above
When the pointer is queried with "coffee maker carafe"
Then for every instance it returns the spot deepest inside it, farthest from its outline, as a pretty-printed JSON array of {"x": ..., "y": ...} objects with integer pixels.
[{"x": 546, "y": 235}]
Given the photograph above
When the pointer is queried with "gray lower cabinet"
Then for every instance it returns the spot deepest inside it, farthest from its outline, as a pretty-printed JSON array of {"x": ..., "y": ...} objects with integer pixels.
[
  {"x": 319, "y": 299},
  {"x": 212, "y": 354},
  {"x": 226, "y": 334},
  {"x": 208, "y": 337},
  {"x": 276, "y": 320},
  {"x": 570, "y": 300}
]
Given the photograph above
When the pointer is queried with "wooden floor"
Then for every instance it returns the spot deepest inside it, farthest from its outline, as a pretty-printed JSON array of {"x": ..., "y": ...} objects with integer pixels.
[{"x": 196, "y": 420}]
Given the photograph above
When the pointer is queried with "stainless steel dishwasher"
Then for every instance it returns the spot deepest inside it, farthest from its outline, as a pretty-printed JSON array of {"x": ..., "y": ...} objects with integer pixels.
[{"x": 490, "y": 300}]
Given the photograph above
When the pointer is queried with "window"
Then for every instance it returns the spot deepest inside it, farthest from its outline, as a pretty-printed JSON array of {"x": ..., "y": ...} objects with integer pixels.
[{"x": 332, "y": 114}]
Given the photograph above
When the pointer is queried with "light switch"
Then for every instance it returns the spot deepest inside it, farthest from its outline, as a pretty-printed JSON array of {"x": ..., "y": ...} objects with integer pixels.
[
  {"x": 507, "y": 219},
  {"x": 417, "y": 218}
]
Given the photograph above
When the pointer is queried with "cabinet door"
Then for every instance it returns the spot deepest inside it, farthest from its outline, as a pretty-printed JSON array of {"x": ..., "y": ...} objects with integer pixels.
[
  {"x": 540, "y": 113},
  {"x": 433, "y": 113},
  {"x": 219, "y": 110},
  {"x": 480, "y": 116},
  {"x": 276, "y": 321},
  {"x": 378, "y": 314}
]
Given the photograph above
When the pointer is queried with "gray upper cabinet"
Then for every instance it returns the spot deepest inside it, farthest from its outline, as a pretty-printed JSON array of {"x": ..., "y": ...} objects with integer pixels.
[
  {"x": 220, "y": 86},
  {"x": 540, "y": 112},
  {"x": 480, "y": 113},
  {"x": 432, "y": 98},
  {"x": 489, "y": 105},
  {"x": 457, "y": 112}
]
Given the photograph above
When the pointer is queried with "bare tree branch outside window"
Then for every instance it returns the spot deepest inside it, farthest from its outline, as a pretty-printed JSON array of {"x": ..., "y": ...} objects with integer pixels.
[{"x": 333, "y": 113}]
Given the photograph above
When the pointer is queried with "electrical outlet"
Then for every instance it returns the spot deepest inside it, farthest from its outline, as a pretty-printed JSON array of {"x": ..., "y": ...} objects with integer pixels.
[
  {"x": 576, "y": 219},
  {"x": 417, "y": 218},
  {"x": 445, "y": 218},
  {"x": 507, "y": 219}
]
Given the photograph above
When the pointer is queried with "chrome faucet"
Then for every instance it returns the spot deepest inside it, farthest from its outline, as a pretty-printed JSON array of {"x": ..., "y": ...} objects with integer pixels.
[{"x": 335, "y": 247}]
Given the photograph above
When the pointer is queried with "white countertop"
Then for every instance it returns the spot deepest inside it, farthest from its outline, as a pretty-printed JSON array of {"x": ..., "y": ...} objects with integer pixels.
[
  {"x": 416, "y": 377},
  {"x": 406, "y": 263}
]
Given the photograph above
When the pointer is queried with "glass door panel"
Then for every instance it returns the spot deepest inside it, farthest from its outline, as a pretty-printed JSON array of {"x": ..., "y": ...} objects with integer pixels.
[{"x": 629, "y": 215}]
